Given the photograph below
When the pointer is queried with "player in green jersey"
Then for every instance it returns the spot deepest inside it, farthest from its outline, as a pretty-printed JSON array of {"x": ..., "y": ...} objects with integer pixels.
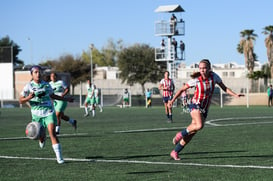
[
  {"x": 39, "y": 94},
  {"x": 60, "y": 88}
]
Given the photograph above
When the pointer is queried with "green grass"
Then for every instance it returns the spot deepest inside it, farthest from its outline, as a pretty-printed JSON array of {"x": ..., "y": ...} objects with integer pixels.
[{"x": 134, "y": 144}]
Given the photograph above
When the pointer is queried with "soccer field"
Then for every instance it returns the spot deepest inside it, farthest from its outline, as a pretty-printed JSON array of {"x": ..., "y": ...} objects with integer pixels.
[{"x": 134, "y": 144}]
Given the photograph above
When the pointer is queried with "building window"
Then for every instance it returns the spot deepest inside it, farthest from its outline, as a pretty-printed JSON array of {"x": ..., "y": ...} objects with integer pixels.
[
  {"x": 188, "y": 74},
  {"x": 231, "y": 74},
  {"x": 224, "y": 74}
]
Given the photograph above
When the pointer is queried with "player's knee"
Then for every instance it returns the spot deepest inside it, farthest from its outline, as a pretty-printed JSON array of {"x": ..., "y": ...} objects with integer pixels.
[{"x": 199, "y": 126}]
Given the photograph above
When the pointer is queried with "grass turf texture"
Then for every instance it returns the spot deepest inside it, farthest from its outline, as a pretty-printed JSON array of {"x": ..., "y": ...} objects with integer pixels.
[{"x": 134, "y": 144}]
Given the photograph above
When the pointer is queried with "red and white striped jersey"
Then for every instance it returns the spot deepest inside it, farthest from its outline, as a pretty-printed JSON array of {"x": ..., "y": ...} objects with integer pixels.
[
  {"x": 168, "y": 87},
  {"x": 204, "y": 89}
]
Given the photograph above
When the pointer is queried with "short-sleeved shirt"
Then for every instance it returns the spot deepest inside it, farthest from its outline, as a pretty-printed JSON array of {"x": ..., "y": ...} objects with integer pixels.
[
  {"x": 90, "y": 99},
  {"x": 204, "y": 89},
  {"x": 168, "y": 87},
  {"x": 148, "y": 94},
  {"x": 41, "y": 104},
  {"x": 59, "y": 88}
]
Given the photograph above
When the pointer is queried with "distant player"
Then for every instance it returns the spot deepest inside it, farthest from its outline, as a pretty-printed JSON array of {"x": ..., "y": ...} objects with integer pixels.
[
  {"x": 97, "y": 98},
  {"x": 90, "y": 99},
  {"x": 39, "y": 93},
  {"x": 204, "y": 83},
  {"x": 167, "y": 86},
  {"x": 148, "y": 95},
  {"x": 184, "y": 99},
  {"x": 125, "y": 102},
  {"x": 60, "y": 88}
]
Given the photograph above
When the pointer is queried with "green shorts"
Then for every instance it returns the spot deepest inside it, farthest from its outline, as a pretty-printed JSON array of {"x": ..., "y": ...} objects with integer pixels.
[
  {"x": 60, "y": 106},
  {"x": 89, "y": 100},
  {"x": 93, "y": 101},
  {"x": 97, "y": 99},
  {"x": 45, "y": 121},
  {"x": 126, "y": 99}
]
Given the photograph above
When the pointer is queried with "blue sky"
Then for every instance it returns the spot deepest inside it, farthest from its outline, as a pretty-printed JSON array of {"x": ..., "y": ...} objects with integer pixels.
[{"x": 49, "y": 29}]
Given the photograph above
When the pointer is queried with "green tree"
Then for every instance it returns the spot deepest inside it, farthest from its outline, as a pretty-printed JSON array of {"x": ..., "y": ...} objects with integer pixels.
[
  {"x": 111, "y": 50},
  {"x": 246, "y": 47},
  {"x": 268, "y": 30},
  {"x": 7, "y": 42},
  {"x": 78, "y": 69},
  {"x": 137, "y": 65}
]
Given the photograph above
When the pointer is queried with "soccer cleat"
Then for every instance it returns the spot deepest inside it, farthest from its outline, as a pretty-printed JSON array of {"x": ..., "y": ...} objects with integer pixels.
[
  {"x": 177, "y": 138},
  {"x": 85, "y": 115},
  {"x": 174, "y": 155},
  {"x": 42, "y": 142},
  {"x": 60, "y": 161},
  {"x": 74, "y": 124}
]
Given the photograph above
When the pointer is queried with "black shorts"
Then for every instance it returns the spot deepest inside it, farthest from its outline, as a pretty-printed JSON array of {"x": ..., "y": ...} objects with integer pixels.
[
  {"x": 193, "y": 106},
  {"x": 167, "y": 99}
]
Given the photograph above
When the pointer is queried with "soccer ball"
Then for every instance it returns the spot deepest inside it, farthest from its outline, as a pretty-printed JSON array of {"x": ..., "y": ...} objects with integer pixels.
[{"x": 34, "y": 130}]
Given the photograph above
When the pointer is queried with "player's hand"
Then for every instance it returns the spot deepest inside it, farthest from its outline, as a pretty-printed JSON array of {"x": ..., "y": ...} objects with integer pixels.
[
  {"x": 70, "y": 99},
  {"x": 31, "y": 95}
]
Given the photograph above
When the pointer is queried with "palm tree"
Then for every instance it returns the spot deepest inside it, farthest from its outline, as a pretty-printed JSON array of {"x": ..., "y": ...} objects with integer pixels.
[
  {"x": 246, "y": 47},
  {"x": 268, "y": 30}
]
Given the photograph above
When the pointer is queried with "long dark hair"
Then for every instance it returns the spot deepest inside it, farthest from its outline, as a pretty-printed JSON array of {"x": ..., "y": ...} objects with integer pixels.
[{"x": 197, "y": 74}]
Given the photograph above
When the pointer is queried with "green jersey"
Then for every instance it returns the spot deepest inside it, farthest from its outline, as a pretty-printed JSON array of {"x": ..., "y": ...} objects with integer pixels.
[
  {"x": 90, "y": 91},
  {"x": 58, "y": 87},
  {"x": 41, "y": 104}
]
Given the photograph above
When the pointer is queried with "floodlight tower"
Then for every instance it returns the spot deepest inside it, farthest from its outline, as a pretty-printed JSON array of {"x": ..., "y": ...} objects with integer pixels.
[{"x": 168, "y": 29}]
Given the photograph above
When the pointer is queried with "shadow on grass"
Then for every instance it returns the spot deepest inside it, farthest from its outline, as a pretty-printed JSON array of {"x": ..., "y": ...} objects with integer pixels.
[
  {"x": 197, "y": 155},
  {"x": 148, "y": 172},
  {"x": 127, "y": 157}
]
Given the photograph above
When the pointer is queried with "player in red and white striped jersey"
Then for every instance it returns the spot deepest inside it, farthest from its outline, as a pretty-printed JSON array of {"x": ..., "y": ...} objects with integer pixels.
[
  {"x": 204, "y": 83},
  {"x": 167, "y": 86}
]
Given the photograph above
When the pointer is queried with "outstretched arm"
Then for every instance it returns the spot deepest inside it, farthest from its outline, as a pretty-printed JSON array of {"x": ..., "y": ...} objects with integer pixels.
[
  {"x": 229, "y": 91},
  {"x": 182, "y": 89}
]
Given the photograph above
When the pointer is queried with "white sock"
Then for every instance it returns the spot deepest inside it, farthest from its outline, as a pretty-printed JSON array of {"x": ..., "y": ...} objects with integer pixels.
[
  {"x": 57, "y": 129},
  {"x": 93, "y": 113},
  {"x": 58, "y": 151},
  {"x": 86, "y": 111}
]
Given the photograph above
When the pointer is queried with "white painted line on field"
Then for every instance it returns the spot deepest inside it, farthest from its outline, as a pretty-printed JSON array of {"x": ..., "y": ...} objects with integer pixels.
[
  {"x": 143, "y": 162},
  {"x": 210, "y": 122},
  {"x": 148, "y": 130},
  {"x": 61, "y": 135}
]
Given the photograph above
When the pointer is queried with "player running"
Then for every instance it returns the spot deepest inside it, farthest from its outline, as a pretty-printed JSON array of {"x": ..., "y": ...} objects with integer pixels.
[
  {"x": 167, "y": 85},
  {"x": 97, "y": 98},
  {"x": 90, "y": 99},
  {"x": 204, "y": 82},
  {"x": 39, "y": 93},
  {"x": 60, "y": 88}
]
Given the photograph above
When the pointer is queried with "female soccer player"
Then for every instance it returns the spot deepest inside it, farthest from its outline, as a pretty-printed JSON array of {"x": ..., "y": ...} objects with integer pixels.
[
  {"x": 38, "y": 93},
  {"x": 167, "y": 85},
  {"x": 60, "y": 88},
  {"x": 204, "y": 82}
]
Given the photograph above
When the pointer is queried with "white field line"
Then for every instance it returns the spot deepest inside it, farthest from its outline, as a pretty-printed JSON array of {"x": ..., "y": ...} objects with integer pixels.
[
  {"x": 179, "y": 163},
  {"x": 61, "y": 135},
  {"x": 210, "y": 122}
]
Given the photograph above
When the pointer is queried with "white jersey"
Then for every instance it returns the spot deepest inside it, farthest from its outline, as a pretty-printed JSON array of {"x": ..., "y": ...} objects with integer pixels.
[
  {"x": 41, "y": 104},
  {"x": 58, "y": 87},
  {"x": 90, "y": 90}
]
